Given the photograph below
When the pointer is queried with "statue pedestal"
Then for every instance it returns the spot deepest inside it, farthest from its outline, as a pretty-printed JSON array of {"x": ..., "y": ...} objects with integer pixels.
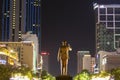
[{"x": 64, "y": 77}]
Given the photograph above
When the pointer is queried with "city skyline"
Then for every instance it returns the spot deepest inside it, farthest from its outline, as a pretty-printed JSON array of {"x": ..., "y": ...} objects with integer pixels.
[{"x": 73, "y": 21}]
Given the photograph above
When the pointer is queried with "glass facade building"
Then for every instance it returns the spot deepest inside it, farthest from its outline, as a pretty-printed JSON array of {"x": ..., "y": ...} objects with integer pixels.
[
  {"x": 107, "y": 26},
  {"x": 19, "y": 17}
]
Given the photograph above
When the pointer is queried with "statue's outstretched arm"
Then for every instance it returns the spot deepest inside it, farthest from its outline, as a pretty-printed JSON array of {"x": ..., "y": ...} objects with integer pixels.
[{"x": 70, "y": 48}]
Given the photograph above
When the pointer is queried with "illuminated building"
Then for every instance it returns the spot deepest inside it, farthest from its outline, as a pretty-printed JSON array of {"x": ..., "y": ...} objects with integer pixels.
[
  {"x": 93, "y": 62},
  {"x": 45, "y": 57},
  {"x": 18, "y": 17},
  {"x": 8, "y": 56},
  {"x": 99, "y": 59},
  {"x": 32, "y": 37},
  {"x": 33, "y": 18},
  {"x": 110, "y": 62},
  {"x": 85, "y": 61},
  {"x": 26, "y": 52},
  {"x": 13, "y": 20},
  {"x": 107, "y": 27}
]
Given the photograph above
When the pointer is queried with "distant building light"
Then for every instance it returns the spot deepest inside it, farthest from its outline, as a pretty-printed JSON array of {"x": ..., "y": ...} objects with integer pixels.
[
  {"x": 97, "y": 56},
  {"x": 95, "y": 6},
  {"x": 102, "y": 6},
  {"x": 104, "y": 61},
  {"x": 3, "y": 45},
  {"x": 44, "y": 53},
  {"x": 27, "y": 41},
  {"x": 87, "y": 55},
  {"x": 2, "y": 61}
]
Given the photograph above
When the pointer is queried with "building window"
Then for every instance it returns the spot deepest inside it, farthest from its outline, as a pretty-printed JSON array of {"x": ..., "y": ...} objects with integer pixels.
[
  {"x": 109, "y": 10},
  {"x": 102, "y": 17},
  {"x": 117, "y": 31},
  {"x": 102, "y": 11},
  {"x": 117, "y": 24},
  {"x": 117, "y": 17},
  {"x": 103, "y": 23},
  {"x": 110, "y": 24},
  {"x": 117, "y": 10},
  {"x": 109, "y": 18}
]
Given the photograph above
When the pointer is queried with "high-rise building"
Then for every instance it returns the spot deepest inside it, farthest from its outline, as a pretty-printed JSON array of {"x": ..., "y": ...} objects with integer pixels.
[
  {"x": 13, "y": 19},
  {"x": 107, "y": 19},
  {"x": 33, "y": 18},
  {"x": 18, "y": 17},
  {"x": 85, "y": 61}
]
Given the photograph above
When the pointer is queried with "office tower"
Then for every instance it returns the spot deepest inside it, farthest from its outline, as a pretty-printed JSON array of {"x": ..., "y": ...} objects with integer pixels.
[
  {"x": 33, "y": 18},
  {"x": 18, "y": 17},
  {"x": 13, "y": 19},
  {"x": 32, "y": 37},
  {"x": 85, "y": 61},
  {"x": 107, "y": 18}
]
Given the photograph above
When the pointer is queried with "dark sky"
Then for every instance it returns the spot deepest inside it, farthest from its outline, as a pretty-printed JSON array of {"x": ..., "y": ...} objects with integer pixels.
[{"x": 70, "y": 20}]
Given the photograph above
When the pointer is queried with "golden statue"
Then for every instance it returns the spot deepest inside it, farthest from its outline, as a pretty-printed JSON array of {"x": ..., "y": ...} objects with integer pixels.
[{"x": 63, "y": 56}]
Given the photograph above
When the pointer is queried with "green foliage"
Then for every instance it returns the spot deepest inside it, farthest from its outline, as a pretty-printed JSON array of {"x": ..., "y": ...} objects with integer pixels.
[
  {"x": 103, "y": 74},
  {"x": 6, "y": 71},
  {"x": 46, "y": 76},
  {"x": 116, "y": 73},
  {"x": 84, "y": 75}
]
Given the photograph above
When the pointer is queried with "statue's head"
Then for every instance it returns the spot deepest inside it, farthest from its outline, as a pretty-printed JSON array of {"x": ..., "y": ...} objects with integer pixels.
[{"x": 64, "y": 43}]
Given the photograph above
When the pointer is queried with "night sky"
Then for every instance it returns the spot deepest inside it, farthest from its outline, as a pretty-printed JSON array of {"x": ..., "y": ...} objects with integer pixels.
[{"x": 70, "y": 20}]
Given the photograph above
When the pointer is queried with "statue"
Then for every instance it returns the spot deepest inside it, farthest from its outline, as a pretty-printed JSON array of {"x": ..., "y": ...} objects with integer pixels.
[{"x": 63, "y": 56}]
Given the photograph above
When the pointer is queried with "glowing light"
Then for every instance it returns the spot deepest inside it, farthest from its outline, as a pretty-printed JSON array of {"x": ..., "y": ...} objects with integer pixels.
[
  {"x": 102, "y": 6},
  {"x": 11, "y": 51},
  {"x": 101, "y": 78},
  {"x": 18, "y": 76},
  {"x": 2, "y": 61},
  {"x": 44, "y": 53}
]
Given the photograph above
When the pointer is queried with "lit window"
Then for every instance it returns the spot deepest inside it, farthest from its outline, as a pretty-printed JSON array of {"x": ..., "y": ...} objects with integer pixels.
[
  {"x": 19, "y": 34},
  {"x": 33, "y": 24},
  {"x": 5, "y": 14}
]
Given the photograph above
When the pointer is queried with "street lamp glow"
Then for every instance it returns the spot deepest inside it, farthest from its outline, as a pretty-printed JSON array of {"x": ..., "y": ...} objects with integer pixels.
[{"x": 11, "y": 51}]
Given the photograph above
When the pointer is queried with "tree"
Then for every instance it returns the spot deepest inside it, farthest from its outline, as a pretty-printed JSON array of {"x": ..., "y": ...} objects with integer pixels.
[
  {"x": 5, "y": 72},
  {"x": 84, "y": 75},
  {"x": 116, "y": 73},
  {"x": 45, "y": 75}
]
